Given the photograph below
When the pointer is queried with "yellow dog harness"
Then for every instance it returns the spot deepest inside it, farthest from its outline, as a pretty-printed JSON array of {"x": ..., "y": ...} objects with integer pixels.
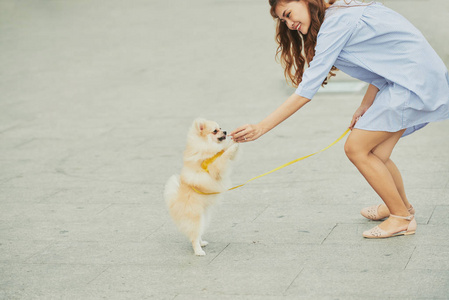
[
  {"x": 207, "y": 162},
  {"x": 205, "y": 166}
]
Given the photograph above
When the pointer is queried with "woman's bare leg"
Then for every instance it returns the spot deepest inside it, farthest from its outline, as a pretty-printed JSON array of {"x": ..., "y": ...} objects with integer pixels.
[
  {"x": 383, "y": 152},
  {"x": 359, "y": 148}
]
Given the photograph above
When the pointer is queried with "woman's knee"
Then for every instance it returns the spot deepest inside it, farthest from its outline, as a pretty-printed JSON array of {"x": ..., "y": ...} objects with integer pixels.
[{"x": 353, "y": 151}]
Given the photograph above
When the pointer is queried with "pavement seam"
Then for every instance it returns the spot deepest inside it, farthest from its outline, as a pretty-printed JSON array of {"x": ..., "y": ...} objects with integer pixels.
[
  {"x": 431, "y": 215},
  {"x": 24, "y": 143},
  {"x": 154, "y": 231},
  {"x": 414, "y": 248},
  {"x": 107, "y": 206},
  {"x": 293, "y": 281},
  {"x": 329, "y": 234},
  {"x": 261, "y": 213},
  {"x": 10, "y": 128},
  {"x": 219, "y": 253},
  {"x": 107, "y": 268},
  {"x": 54, "y": 242}
]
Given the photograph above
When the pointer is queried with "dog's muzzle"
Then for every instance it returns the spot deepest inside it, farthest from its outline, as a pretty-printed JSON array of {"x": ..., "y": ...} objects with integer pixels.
[{"x": 222, "y": 138}]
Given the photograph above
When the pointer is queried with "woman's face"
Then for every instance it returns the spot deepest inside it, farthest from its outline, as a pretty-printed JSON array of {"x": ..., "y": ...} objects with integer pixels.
[{"x": 295, "y": 14}]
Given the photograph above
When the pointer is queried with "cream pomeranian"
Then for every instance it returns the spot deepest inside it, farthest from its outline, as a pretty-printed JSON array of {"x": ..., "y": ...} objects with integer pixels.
[{"x": 204, "y": 176}]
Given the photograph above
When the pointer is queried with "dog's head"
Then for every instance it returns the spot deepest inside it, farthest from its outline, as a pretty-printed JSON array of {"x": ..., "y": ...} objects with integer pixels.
[{"x": 208, "y": 131}]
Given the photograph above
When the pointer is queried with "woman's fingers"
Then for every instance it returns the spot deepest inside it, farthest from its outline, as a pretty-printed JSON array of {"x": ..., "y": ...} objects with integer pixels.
[
  {"x": 243, "y": 134},
  {"x": 353, "y": 122},
  {"x": 239, "y": 131},
  {"x": 236, "y": 131},
  {"x": 351, "y": 125}
]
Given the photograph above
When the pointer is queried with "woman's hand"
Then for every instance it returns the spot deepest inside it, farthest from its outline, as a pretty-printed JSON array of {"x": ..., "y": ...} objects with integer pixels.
[
  {"x": 367, "y": 101},
  {"x": 247, "y": 133},
  {"x": 357, "y": 115}
]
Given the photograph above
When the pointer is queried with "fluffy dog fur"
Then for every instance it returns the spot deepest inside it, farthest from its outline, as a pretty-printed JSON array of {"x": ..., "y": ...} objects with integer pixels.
[{"x": 189, "y": 209}]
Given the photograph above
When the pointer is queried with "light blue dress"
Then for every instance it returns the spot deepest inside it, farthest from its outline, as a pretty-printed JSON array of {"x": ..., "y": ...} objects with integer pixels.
[{"x": 374, "y": 44}]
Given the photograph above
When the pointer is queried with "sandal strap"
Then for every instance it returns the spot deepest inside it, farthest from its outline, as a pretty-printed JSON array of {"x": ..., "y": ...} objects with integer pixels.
[{"x": 408, "y": 218}]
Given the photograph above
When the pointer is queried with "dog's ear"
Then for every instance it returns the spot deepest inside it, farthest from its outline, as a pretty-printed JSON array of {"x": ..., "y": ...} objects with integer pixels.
[{"x": 200, "y": 124}]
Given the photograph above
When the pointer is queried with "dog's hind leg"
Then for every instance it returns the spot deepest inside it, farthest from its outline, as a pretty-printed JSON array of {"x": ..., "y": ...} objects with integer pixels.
[
  {"x": 206, "y": 220},
  {"x": 196, "y": 238},
  {"x": 196, "y": 244}
]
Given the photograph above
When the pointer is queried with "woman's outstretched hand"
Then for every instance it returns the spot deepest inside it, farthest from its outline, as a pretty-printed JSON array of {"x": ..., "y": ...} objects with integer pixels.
[{"x": 246, "y": 133}]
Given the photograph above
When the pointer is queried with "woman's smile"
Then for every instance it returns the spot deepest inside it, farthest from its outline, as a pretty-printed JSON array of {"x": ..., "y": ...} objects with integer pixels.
[{"x": 295, "y": 15}]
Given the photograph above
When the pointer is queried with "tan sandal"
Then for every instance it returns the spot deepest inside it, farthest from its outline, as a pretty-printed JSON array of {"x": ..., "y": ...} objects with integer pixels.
[
  {"x": 378, "y": 233},
  {"x": 372, "y": 212}
]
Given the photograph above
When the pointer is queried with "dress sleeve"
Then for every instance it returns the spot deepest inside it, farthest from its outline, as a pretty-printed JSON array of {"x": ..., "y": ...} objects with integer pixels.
[
  {"x": 379, "y": 82},
  {"x": 332, "y": 38}
]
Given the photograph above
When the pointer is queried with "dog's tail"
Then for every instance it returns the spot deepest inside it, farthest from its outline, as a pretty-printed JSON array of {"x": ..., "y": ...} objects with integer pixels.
[{"x": 171, "y": 188}]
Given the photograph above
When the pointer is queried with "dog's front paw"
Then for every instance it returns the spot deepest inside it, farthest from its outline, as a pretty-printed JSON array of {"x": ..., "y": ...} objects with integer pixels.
[
  {"x": 233, "y": 150},
  {"x": 200, "y": 253}
]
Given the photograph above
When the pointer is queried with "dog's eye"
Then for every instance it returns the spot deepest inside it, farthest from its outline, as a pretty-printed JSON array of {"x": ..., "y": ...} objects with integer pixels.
[{"x": 215, "y": 131}]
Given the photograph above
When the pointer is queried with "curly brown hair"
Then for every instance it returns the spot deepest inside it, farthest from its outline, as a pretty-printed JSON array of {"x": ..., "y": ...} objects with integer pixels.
[{"x": 295, "y": 49}]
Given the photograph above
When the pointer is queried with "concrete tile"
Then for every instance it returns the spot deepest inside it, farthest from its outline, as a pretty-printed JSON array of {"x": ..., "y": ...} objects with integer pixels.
[
  {"x": 428, "y": 196},
  {"x": 29, "y": 231},
  {"x": 427, "y": 180},
  {"x": 154, "y": 253},
  {"x": 440, "y": 215},
  {"x": 290, "y": 257},
  {"x": 121, "y": 279},
  {"x": 130, "y": 230},
  {"x": 39, "y": 179},
  {"x": 220, "y": 296},
  {"x": 91, "y": 294},
  {"x": 423, "y": 162},
  {"x": 272, "y": 232},
  {"x": 76, "y": 253},
  {"x": 56, "y": 213},
  {"x": 38, "y": 281},
  {"x": 429, "y": 257},
  {"x": 231, "y": 296},
  {"x": 233, "y": 211},
  {"x": 311, "y": 213},
  {"x": 108, "y": 192},
  {"x": 360, "y": 257},
  {"x": 318, "y": 188},
  {"x": 153, "y": 210},
  {"x": 317, "y": 283},
  {"x": 15, "y": 251},
  {"x": 132, "y": 282},
  {"x": 82, "y": 222},
  {"x": 11, "y": 194},
  {"x": 239, "y": 281}
]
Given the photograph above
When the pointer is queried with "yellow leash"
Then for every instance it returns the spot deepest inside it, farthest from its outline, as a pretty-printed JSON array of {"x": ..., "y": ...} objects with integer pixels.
[{"x": 280, "y": 167}]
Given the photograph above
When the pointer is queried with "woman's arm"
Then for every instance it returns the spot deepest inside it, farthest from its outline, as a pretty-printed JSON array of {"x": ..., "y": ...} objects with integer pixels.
[
  {"x": 367, "y": 101},
  {"x": 370, "y": 95},
  {"x": 249, "y": 132}
]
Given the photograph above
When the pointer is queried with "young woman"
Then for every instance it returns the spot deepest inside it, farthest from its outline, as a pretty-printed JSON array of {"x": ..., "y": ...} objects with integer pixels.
[{"x": 408, "y": 88}]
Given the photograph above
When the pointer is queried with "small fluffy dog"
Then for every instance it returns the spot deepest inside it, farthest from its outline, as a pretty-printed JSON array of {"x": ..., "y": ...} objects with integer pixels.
[{"x": 204, "y": 176}]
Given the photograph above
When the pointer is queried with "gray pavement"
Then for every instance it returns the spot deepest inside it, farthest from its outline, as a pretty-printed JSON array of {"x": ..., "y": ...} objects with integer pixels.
[{"x": 95, "y": 101}]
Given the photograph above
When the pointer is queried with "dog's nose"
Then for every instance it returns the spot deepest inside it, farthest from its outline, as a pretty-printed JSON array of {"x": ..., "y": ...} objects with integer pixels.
[{"x": 224, "y": 132}]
